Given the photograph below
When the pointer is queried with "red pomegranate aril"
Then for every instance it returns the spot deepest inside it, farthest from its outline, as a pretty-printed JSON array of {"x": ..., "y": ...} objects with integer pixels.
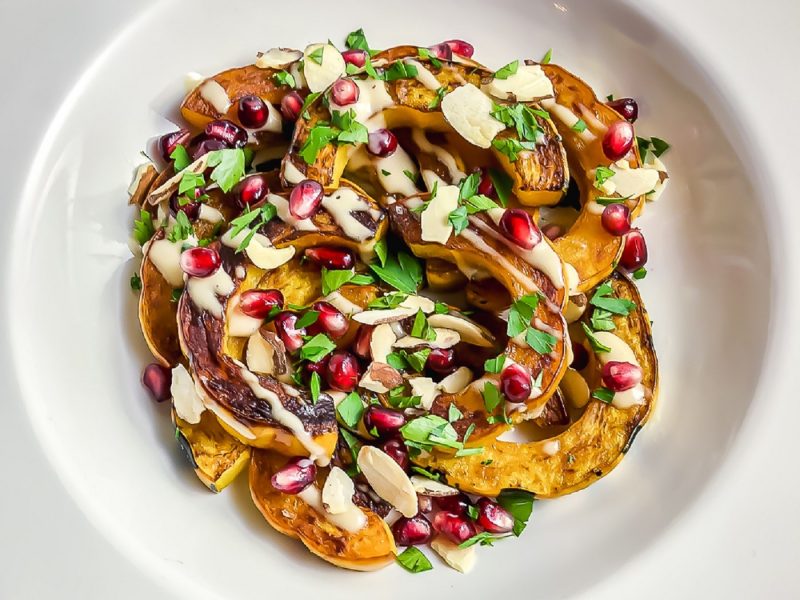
[
  {"x": 157, "y": 379},
  {"x": 396, "y": 449},
  {"x": 486, "y": 187},
  {"x": 552, "y": 231},
  {"x": 291, "y": 336},
  {"x": 305, "y": 198},
  {"x": 382, "y": 142},
  {"x": 319, "y": 367},
  {"x": 330, "y": 320},
  {"x": 251, "y": 191},
  {"x": 412, "y": 532},
  {"x": 515, "y": 382},
  {"x": 344, "y": 92},
  {"x": 385, "y": 420},
  {"x": 627, "y": 107},
  {"x": 580, "y": 356},
  {"x": 363, "y": 339},
  {"x": 517, "y": 225},
  {"x": 168, "y": 142},
  {"x": 456, "y": 504},
  {"x": 192, "y": 209},
  {"x": 227, "y": 131},
  {"x": 355, "y": 57},
  {"x": 200, "y": 262},
  {"x": 253, "y": 112},
  {"x": 442, "y": 361},
  {"x": 461, "y": 48},
  {"x": 206, "y": 145},
  {"x": 619, "y": 376},
  {"x": 442, "y": 51},
  {"x": 331, "y": 258},
  {"x": 291, "y": 106},
  {"x": 616, "y": 219},
  {"x": 493, "y": 517},
  {"x": 618, "y": 140},
  {"x": 455, "y": 527},
  {"x": 295, "y": 476},
  {"x": 634, "y": 253},
  {"x": 343, "y": 371},
  {"x": 259, "y": 303}
]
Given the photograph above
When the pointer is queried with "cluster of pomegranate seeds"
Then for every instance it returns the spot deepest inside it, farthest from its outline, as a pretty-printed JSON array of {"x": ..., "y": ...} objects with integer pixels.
[
  {"x": 259, "y": 303},
  {"x": 355, "y": 57},
  {"x": 619, "y": 376},
  {"x": 515, "y": 383},
  {"x": 251, "y": 191},
  {"x": 382, "y": 142},
  {"x": 305, "y": 198},
  {"x": 228, "y": 132},
  {"x": 517, "y": 225},
  {"x": 363, "y": 338},
  {"x": 330, "y": 320},
  {"x": 253, "y": 112},
  {"x": 616, "y": 219},
  {"x": 456, "y": 504},
  {"x": 461, "y": 48},
  {"x": 331, "y": 258},
  {"x": 486, "y": 187},
  {"x": 442, "y": 361},
  {"x": 205, "y": 145},
  {"x": 291, "y": 105},
  {"x": 385, "y": 421},
  {"x": 200, "y": 262},
  {"x": 493, "y": 517},
  {"x": 167, "y": 143},
  {"x": 191, "y": 209},
  {"x": 412, "y": 532},
  {"x": 157, "y": 379},
  {"x": 291, "y": 336},
  {"x": 295, "y": 476},
  {"x": 457, "y": 528},
  {"x": 618, "y": 140},
  {"x": 345, "y": 92},
  {"x": 343, "y": 371},
  {"x": 634, "y": 253},
  {"x": 627, "y": 107},
  {"x": 397, "y": 450},
  {"x": 580, "y": 356}
]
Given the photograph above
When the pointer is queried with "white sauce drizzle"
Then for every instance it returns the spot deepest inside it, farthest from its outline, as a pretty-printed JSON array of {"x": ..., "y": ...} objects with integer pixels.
[
  {"x": 204, "y": 291},
  {"x": 166, "y": 257},
  {"x": 373, "y": 98},
  {"x": 424, "y": 76},
  {"x": 396, "y": 165},
  {"x": 481, "y": 245},
  {"x": 213, "y": 93},
  {"x": 341, "y": 204},
  {"x": 448, "y": 160},
  {"x": 352, "y": 519},
  {"x": 210, "y": 214},
  {"x": 567, "y": 117},
  {"x": 281, "y": 205}
]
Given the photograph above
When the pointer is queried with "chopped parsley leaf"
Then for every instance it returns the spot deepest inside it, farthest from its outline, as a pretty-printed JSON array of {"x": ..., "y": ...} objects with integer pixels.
[
  {"x": 181, "y": 158},
  {"x": 182, "y": 228},
  {"x": 284, "y": 78},
  {"x": 507, "y": 71},
  {"x": 400, "y": 70},
  {"x": 315, "y": 385},
  {"x": 350, "y": 409},
  {"x": 602, "y": 174},
  {"x": 229, "y": 165},
  {"x": 401, "y": 271},
  {"x": 494, "y": 365},
  {"x": 603, "y": 394},
  {"x": 307, "y": 319},
  {"x": 317, "y": 348},
  {"x": 491, "y": 396},
  {"x": 520, "y": 504},
  {"x": 143, "y": 228},
  {"x": 547, "y": 56},
  {"x": 596, "y": 344},
  {"x": 412, "y": 559},
  {"x": 136, "y": 282},
  {"x": 579, "y": 126},
  {"x": 604, "y": 298},
  {"x": 640, "y": 273},
  {"x": 317, "y": 55},
  {"x": 502, "y": 183},
  {"x": 541, "y": 341}
]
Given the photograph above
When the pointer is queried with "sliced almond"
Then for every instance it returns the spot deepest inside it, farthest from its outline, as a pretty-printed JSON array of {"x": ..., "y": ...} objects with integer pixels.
[
  {"x": 213, "y": 93},
  {"x": 278, "y": 58},
  {"x": 422, "y": 303},
  {"x": 378, "y": 316},
  {"x": 470, "y": 332},
  {"x": 468, "y": 110},
  {"x": 320, "y": 75},
  {"x": 426, "y": 389},
  {"x": 170, "y": 186},
  {"x": 388, "y": 479},
  {"x": 337, "y": 493},
  {"x": 528, "y": 83},
  {"x": 576, "y": 306},
  {"x": 343, "y": 304},
  {"x": 144, "y": 177},
  {"x": 456, "y": 381},
  {"x": 435, "y": 220},
  {"x": 630, "y": 183},
  {"x": 237, "y": 323},
  {"x": 260, "y": 355},
  {"x": 380, "y": 378},
  {"x": 575, "y": 388},
  {"x": 380, "y": 345},
  {"x": 429, "y": 487},
  {"x": 268, "y": 257},
  {"x": 461, "y": 559},
  {"x": 445, "y": 338},
  {"x": 188, "y": 404}
]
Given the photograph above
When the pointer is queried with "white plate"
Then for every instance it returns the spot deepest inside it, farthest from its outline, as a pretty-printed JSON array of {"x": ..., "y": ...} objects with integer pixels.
[{"x": 717, "y": 256}]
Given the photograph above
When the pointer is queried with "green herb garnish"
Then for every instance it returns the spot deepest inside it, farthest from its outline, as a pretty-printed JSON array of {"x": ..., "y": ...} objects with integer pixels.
[{"x": 412, "y": 559}]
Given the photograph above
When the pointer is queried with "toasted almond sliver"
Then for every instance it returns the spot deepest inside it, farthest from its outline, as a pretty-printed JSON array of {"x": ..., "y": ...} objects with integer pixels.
[
  {"x": 429, "y": 487},
  {"x": 388, "y": 480},
  {"x": 337, "y": 493},
  {"x": 461, "y": 559}
]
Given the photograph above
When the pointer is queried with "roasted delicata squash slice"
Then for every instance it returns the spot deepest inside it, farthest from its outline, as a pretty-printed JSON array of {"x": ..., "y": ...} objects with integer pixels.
[
  {"x": 592, "y": 446},
  {"x": 366, "y": 549}
]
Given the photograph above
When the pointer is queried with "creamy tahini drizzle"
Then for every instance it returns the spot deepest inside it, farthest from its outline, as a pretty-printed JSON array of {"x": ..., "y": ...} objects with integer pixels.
[
  {"x": 210, "y": 214},
  {"x": 421, "y": 140},
  {"x": 286, "y": 418},
  {"x": 204, "y": 291},
  {"x": 424, "y": 76},
  {"x": 341, "y": 204},
  {"x": 620, "y": 352},
  {"x": 567, "y": 117},
  {"x": 281, "y": 205},
  {"x": 213, "y": 93},
  {"x": 352, "y": 519},
  {"x": 481, "y": 245},
  {"x": 166, "y": 257}
]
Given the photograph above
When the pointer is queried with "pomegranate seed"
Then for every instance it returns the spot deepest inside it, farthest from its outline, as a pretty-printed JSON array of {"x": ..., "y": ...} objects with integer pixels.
[
  {"x": 291, "y": 105},
  {"x": 344, "y": 92},
  {"x": 461, "y": 48},
  {"x": 305, "y": 198},
  {"x": 295, "y": 476},
  {"x": 552, "y": 231},
  {"x": 616, "y": 219},
  {"x": 200, "y": 262},
  {"x": 157, "y": 379},
  {"x": 518, "y": 226},
  {"x": 331, "y": 258},
  {"x": 397, "y": 450},
  {"x": 486, "y": 187},
  {"x": 455, "y": 527},
  {"x": 291, "y": 336},
  {"x": 330, "y": 320},
  {"x": 456, "y": 504},
  {"x": 442, "y": 51},
  {"x": 619, "y": 376},
  {"x": 355, "y": 57},
  {"x": 442, "y": 361},
  {"x": 382, "y": 142},
  {"x": 634, "y": 255},
  {"x": 515, "y": 381},
  {"x": 228, "y": 132},
  {"x": 493, "y": 517},
  {"x": 319, "y": 367},
  {"x": 618, "y": 140},
  {"x": 363, "y": 339},
  {"x": 385, "y": 420},
  {"x": 192, "y": 209},
  {"x": 168, "y": 142},
  {"x": 627, "y": 107},
  {"x": 253, "y": 112},
  {"x": 412, "y": 532},
  {"x": 259, "y": 303},
  {"x": 206, "y": 145},
  {"x": 580, "y": 356},
  {"x": 251, "y": 191},
  {"x": 343, "y": 371}
]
